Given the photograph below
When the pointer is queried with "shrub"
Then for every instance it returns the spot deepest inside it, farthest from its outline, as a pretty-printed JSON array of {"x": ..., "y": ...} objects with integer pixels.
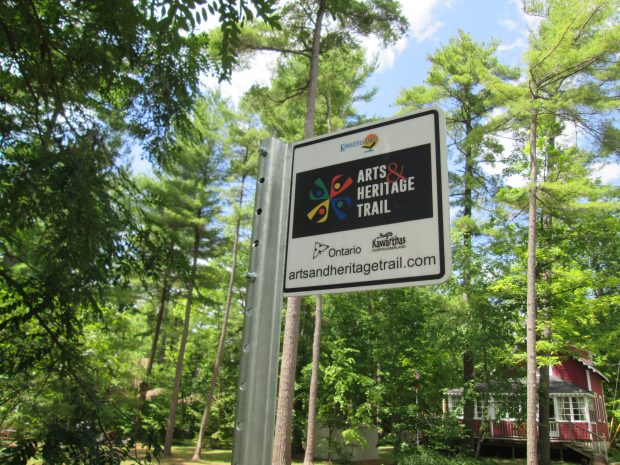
[{"x": 423, "y": 456}]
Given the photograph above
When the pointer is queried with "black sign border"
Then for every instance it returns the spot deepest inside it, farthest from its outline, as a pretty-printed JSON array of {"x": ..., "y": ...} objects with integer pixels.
[{"x": 378, "y": 282}]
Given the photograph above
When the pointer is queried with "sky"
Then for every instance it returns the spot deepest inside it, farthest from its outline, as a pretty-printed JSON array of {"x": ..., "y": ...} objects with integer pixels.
[
  {"x": 433, "y": 23},
  {"x": 405, "y": 64}
]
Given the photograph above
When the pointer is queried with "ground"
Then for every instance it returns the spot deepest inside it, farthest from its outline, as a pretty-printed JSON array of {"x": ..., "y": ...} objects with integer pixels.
[{"x": 182, "y": 455}]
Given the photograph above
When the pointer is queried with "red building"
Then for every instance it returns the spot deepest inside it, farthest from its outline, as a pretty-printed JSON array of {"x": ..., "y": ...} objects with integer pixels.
[{"x": 578, "y": 418}]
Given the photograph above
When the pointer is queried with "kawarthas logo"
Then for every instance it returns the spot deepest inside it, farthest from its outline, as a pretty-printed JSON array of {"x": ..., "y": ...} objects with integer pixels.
[
  {"x": 388, "y": 241},
  {"x": 370, "y": 141},
  {"x": 330, "y": 199}
]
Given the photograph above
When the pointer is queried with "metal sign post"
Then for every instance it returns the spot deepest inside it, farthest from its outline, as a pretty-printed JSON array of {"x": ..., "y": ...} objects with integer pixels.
[{"x": 256, "y": 389}]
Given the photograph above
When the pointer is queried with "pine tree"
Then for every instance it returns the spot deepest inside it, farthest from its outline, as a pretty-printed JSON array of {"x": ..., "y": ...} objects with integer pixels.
[
  {"x": 245, "y": 136},
  {"x": 467, "y": 78},
  {"x": 574, "y": 44},
  {"x": 188, "y": 198}
]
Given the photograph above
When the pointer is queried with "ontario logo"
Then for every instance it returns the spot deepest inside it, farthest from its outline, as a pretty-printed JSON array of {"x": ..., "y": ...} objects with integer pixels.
[
  {"x": 320, "y": 248},
  {"x": 330, "y": 200},
  {"x": 368, "y": 143}
]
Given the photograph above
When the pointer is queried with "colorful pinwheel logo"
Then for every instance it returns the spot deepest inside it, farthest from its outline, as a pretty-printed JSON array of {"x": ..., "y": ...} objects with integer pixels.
[{"x": 330, "y": 199}]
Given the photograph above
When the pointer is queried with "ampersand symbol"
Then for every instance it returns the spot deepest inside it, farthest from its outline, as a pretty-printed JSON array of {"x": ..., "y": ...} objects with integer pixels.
[{"x": 394, "y": 174}]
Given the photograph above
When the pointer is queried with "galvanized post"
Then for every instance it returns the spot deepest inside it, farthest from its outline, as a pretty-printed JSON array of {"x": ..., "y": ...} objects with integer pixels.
[{"x": 256, "y": 389}]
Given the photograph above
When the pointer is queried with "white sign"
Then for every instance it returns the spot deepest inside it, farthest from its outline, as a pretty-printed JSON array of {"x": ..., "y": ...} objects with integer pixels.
[{"x": 369, "y": 208}]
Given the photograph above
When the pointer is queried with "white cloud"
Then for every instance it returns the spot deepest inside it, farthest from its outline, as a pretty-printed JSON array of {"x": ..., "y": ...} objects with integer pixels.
[
  {"x": 385, "y": 56},
  {"x": 258, "y": 70},
  {"x": 531, "y": 22},
  {"x": 608, "y": 173},
  {"x": 520, "y": 43},
  {"x": 420, "y": 16},
  {"x": 509, "y": 24},
  {"x": 516, "y": 180},
  {"x": 569, "y": 136}
]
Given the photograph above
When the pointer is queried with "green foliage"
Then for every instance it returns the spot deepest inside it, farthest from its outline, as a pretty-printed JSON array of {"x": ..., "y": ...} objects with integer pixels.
[
  {"x": 71, "y": 67},
  {"x": 88, "y": 254},
  {"x": 467, "y": 80},
  {"x": 342, "y": 74},
  {"x": 423, "y": 456},
  {"x": 348, "y": 20},
  {"x": 78, "y": 80}
]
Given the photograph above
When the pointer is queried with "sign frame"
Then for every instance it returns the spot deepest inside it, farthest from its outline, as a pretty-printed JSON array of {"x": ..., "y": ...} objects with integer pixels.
[{"x": 441, "y": 216}]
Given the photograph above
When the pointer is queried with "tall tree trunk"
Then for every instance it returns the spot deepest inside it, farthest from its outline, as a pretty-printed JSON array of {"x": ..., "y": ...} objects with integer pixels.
[
  {"x": 468, "y": 356},
  {"x": 532, "y": 388},
  {"x": 486, "y": 417},
  {"x": 165, "y": 292},
  {"x": 314, "y": 383},
  {"x": 204, "y": 422},
  {"x": 468, "y": 404},
  {"x": 286, "y": 389},
  {"x": 544, "y": 444},
  {"x": 162, "y": 347},
  {"x": 174, "y": 402},
  {"x": 313, "y": 84},
  {"x": 544, "y": 439}
]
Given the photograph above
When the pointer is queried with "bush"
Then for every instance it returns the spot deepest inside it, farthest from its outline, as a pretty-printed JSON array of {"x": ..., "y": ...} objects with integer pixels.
[
  {"x": 423, "y": 456},
  {"x": 445, "y": 435}
]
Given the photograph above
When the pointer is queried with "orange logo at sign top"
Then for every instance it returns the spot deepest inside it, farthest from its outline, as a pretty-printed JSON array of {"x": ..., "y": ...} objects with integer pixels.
[{"x": 370, "y": 141}]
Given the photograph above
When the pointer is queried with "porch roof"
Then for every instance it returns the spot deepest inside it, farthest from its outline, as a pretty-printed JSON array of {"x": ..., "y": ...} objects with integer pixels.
[{"x": 557, "y": 386}]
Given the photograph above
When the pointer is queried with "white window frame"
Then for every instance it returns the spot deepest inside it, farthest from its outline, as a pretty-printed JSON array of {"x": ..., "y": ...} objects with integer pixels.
[
  {"x": 572, "y": 409},
  {"x": 478, "y": 410},
  {"x": 455, "y": 405}
]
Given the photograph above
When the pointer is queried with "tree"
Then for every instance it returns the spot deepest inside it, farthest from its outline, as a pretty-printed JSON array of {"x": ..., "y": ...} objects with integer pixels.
[
  {"x": 281, "y": 105},
  {"x": 467, "y": 78},
  {"x": 303, "y": 26},
  {"x": 246, "y": 136},
  {"x": 574, "y": 41},
  {"x": 188, "y": 198},
  {"x": 77, "y": 79}
]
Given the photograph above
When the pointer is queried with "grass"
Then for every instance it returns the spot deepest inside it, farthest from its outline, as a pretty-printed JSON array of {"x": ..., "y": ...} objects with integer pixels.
[{"x": 182, "y": 455}]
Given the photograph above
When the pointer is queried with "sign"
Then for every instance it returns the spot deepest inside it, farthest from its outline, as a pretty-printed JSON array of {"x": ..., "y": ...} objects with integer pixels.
[{"x": 369, "y": 208}]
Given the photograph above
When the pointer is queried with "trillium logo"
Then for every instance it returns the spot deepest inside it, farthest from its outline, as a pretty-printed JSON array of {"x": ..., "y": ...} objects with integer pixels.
[
  {"x": 319, "y": 248},
  {"x": 388, "y": 241}
]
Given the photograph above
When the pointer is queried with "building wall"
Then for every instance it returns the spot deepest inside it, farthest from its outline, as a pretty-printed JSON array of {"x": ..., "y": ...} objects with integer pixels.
[{"x": 571, "y": 371}]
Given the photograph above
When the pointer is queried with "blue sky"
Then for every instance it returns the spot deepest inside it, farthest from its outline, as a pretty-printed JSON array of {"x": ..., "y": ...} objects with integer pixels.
[
  {"x": 433, "y": 23},
  {"x": 404, "y": 64}
]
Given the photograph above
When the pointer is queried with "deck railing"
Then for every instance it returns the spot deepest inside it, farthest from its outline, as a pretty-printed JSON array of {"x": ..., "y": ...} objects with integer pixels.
[{"x": 562, "y": 431}]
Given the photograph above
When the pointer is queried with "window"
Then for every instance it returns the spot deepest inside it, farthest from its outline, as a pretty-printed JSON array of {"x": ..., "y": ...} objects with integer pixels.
[
  {"x": 479, "y": 411},
  {"x": 574, "y": 408},
  {"x": 591, "y": 411},
  {"x": 564, "y": 408},
  {"x": 510, "y": 408},
  {"x": 455, "y": 405},
  {"x": 600, "y": 409},
  {"x": 579, "y": 409},
  {"x": 551, "y": 409}
]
